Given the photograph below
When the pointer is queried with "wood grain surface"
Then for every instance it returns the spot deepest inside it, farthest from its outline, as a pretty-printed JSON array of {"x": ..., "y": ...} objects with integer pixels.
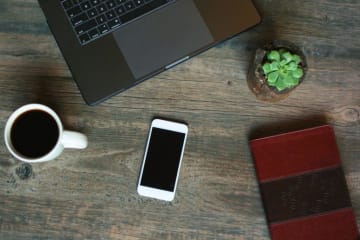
[{"x": 91, "y": 194}]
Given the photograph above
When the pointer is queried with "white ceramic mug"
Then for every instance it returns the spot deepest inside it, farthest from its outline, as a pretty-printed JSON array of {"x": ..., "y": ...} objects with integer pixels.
[{"x": 64, "y": 138}]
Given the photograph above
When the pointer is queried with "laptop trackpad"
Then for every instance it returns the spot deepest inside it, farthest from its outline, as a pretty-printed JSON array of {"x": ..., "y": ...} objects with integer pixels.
[{"x": 163, "y": 37}]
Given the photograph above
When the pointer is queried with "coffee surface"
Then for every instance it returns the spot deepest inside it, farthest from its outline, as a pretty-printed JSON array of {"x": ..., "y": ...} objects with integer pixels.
[{"x": 34, "y": 134}]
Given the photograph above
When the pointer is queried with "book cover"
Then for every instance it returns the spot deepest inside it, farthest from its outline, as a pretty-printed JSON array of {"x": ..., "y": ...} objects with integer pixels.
[{"x": 303, "y": 186}]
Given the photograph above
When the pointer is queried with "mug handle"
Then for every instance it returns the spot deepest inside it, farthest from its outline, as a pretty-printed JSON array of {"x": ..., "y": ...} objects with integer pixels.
[{"x": 71, "y": 139}]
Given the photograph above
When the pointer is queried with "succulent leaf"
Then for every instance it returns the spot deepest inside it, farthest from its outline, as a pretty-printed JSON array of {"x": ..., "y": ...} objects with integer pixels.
[
  {"x": 298, "y": 73},
  {"x": 296, "y": 81},
  {"x": 283, "y": 62},
  {"x": 296, "y": 59},
  {"x": 287, "y": 57},
  {"x": 292, "y": 66},
  {"x": 275, "y": 66},
  {"x": 273, "y": 77},
  {"x": 289, "y": 80},
  {"x": 281, "y": 85},
  {"x": 273, "y": 56},
  {"x": 267, "y": 68}
]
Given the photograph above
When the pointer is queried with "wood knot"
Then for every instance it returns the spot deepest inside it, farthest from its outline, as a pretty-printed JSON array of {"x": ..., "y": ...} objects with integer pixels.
[
  {"x": 346, "y": 114},
  {"x": 24, "y": 171},
  {"x": 351, "y": 114}
]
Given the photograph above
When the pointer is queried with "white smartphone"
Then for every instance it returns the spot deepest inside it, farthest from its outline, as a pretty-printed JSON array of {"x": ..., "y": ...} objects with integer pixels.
[{"x": 162, "y": 159}]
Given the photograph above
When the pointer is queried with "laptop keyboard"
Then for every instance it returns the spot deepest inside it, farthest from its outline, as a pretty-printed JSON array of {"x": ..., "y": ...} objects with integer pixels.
[{"x": 92, "y": 19}]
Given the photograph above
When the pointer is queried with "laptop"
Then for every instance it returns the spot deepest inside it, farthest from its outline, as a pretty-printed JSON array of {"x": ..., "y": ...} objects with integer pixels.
[{"x": 112, "y": 45}]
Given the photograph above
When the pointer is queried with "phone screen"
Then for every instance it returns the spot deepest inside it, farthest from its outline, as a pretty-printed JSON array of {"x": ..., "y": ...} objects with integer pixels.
[{"x": 162, "y": 159}]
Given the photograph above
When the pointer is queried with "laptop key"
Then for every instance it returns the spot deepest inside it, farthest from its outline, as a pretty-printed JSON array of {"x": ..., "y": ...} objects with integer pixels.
[
  {"x": 101, "y": 19},
  {"x": 79, "y": 19},
  {"x": 84, "y": 38},
  {"x": 101, "y": 8},
  {"x": 103, "y": 28},
  {"x": 95, "y": 2},
  {"x": 85, "y": 5},
  {"x": 139, "y": 2},
  {"x": 72, "y": 12},
  {"x": 85, "y": 26},
  {"x": 110, "y": 4},
  {"x": 67, "y": 4},
  {"x": 93, "y": 33},
  {"x": 120, "y": 1},
  {"x": 110, "y": 14},
  {"x": 114, "y": 23},
  {"x": 129, "y": 5},
  {"x": 120, "y": 10},
  {"x": 92, "y": 13},
  {"x": 76, "y": 2}
]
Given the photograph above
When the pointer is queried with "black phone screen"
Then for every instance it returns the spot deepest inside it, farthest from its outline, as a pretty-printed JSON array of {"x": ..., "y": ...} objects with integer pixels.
[{"x": 162, "y": 159}]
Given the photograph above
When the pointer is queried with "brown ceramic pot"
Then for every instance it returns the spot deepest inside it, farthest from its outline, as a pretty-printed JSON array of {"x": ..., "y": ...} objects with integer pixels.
[{"x": 257, "y": 80}]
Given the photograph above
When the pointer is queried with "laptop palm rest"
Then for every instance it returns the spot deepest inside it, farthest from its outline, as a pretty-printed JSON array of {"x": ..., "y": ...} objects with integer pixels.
[{"x": 163, "y": 37}]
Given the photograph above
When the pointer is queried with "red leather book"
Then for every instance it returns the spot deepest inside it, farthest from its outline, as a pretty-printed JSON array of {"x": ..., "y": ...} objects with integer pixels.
[{"x": 303, "y": 186}]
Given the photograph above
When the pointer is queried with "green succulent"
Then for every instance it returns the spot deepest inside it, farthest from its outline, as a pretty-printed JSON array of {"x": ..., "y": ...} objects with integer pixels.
[{"x": 282, "y": 69}]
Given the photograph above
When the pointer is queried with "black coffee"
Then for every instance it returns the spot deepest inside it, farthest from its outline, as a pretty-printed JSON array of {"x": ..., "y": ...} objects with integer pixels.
[{"x": 34, "y": 134}]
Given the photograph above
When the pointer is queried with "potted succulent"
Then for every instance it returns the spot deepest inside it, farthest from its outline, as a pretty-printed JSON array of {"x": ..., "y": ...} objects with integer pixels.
[{"x": 278, "y": 68}]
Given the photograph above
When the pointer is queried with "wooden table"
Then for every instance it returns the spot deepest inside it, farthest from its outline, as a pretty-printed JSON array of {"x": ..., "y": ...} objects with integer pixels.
[{"x": 91, "y": 194}]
